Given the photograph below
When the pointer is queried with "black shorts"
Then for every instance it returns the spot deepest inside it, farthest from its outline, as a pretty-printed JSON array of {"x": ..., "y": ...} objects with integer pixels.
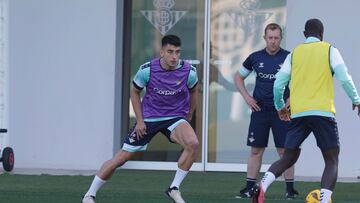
[
  {"x": 133, "y": 144},
  {"x": 324, "y": 129},
  {"x": 260, "y": 124}
]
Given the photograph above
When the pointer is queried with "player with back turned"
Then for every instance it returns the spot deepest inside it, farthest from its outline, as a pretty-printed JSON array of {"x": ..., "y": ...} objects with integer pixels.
[{"x": 310, "y": 69}]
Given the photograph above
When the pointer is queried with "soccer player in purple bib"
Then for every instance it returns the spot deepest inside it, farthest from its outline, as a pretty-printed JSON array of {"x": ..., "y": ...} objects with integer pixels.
[
  {"x": 265, "y": 63},
  {"x": 167, "y": 107}
]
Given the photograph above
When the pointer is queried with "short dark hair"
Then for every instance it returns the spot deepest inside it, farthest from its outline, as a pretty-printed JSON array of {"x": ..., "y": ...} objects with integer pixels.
[
  {"x": 171, "y": 39},
  {"x": 273, "y": 26},
  {"x": 313, "y": 27}
]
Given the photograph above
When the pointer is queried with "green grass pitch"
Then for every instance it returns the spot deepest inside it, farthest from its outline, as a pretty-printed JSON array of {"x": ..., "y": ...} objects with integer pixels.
[{"x": 135, "y": 186}]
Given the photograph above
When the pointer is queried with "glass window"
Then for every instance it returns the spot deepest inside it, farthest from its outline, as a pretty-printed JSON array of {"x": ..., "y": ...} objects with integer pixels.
[{"x": 237, "y": 29}]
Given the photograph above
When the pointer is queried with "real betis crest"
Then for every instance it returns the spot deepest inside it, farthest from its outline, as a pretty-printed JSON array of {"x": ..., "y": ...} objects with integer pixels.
[{"x": 163, "y": 19}]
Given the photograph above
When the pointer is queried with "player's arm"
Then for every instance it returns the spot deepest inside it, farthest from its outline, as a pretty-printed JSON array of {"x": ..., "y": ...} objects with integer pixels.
[
  {"x": 140, "y": 80},
  {"x": 341, "y": 73},
  {"x": 193, "y": 101},
  {"x": 239, "y": 78},
  {"x": 193, "y": 91},
  {"x": 282, "y": 79},
  {"x": 140, "y": 127}
]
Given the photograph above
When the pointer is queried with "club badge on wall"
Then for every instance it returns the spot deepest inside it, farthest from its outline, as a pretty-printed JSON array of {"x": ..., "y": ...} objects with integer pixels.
[{"x": 163, "y": 19}]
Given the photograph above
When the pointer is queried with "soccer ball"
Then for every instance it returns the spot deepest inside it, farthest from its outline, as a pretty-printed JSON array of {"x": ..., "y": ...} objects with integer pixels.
[{"x": 314, "y": 197}]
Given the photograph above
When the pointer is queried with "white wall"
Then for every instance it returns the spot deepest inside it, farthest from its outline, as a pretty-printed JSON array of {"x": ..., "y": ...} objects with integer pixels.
[
  {"x": 340, "y": 19},
  {"x": 62, "y": 64}
]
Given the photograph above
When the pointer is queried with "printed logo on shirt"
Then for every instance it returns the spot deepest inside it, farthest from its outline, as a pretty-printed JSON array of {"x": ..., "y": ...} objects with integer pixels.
[
  {"x": 261, "y": 65},
  {"x": 166, "y": 92},
  {"x": 269, "y": 76}
]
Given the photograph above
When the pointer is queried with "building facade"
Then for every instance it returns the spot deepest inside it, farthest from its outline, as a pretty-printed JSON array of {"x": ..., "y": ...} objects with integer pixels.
[{"x": 71, "y": 64}]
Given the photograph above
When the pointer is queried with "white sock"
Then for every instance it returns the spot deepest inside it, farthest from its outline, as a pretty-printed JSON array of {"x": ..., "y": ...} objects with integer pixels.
[
  {"x": 325, "y": 195},
  {"x": 179, "y": 177},
  {"x": 95, "y": 186},
  {"x": 267, "y": 180}
]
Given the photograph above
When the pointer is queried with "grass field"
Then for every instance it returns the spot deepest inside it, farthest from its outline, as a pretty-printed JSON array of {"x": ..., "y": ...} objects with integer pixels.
[{"x": 133, "y": 186}]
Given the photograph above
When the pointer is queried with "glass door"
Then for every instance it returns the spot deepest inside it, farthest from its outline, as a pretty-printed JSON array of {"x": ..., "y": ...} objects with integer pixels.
[
  {"x": 150, "y": 21},
  {"x": 217, "y": 36},
  {"x": 236, "y": 30}
]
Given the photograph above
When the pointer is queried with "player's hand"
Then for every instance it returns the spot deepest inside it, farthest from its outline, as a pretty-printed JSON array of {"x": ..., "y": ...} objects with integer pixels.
[
  {"x": 140, "y": 129},
  {"x": 358, "y": 107},
  {"x": 252, "y": 103},
  {"x": 284, "y": 114}
]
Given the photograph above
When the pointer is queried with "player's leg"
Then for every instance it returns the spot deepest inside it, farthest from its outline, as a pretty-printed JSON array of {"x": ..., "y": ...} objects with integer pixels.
[
  {"x": 329, "y": 177},
  {"x": 288, "y": 174},
  {"x": 183, "y": 134},
  {"x": 327, "y": 138},
  {"x": 109, "y": 167},
  {"x": 276, "y": 169},
  {"x": 280, "y": 129},
  {"x": 258, "y": 137},
  {"x": 131, "y": 144},
  {"x": 105, "y": 173},
  {"x": 288, "y": 159},
  {"x": 297, "y": 133},
  {"x": 254, "y": 162},
  {"x": 252, "y": 171}
]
